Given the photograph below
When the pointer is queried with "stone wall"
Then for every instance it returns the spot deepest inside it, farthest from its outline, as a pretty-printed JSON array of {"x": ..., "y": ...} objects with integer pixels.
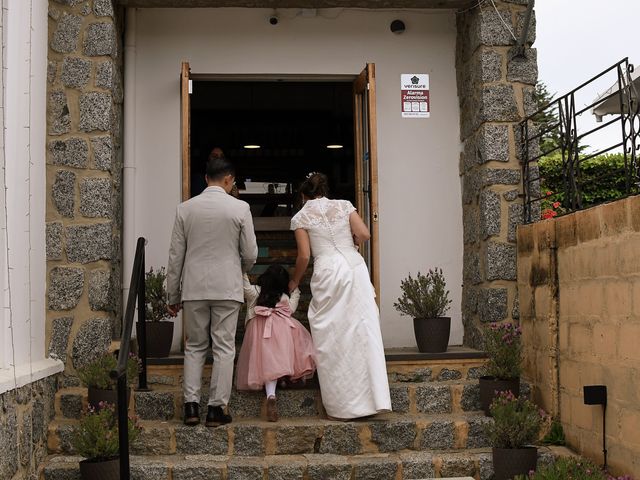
[
  {"x": 24, "y": 417},
  {"x": 495, "y": 92},
  {"x": 579, "y": 288},
  {"x": 84, "y": 178}
]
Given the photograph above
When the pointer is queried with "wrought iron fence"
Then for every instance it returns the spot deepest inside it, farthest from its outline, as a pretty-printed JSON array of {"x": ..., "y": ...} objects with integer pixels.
[{"x": 560, "y": 120}]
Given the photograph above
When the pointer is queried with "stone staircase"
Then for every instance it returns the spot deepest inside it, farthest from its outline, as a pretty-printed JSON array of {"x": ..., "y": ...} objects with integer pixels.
[{"x": 435, "y": 430}]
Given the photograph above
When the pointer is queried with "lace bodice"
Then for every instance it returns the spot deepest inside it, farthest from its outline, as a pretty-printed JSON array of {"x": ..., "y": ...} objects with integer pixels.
[{"x": 327, "y": 223}]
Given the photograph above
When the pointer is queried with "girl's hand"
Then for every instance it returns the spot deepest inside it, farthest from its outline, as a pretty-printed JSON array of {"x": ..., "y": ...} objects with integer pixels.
[{"x": 292, "y": 286}]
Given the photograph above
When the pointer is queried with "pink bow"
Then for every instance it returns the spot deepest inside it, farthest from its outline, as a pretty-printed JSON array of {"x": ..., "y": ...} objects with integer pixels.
[{"x": 281, "y": 311}]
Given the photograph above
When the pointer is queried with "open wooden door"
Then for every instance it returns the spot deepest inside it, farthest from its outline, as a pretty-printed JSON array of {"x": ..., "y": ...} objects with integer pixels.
[
  {"x": 366, "y": 158},
  {"x": 185, "y": 129}
]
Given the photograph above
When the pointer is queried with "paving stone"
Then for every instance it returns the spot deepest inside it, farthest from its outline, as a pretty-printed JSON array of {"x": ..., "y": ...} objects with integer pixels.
[
  {"x": 449, "y": 374},
  {"x": 103, "y": 8},
  {"x": 65, "y": 434},
  {"x": 297, "y": 403},
  {"x": 487, "y": 66},
  {"x": 71, "y": 3},
  {"x": 100, "y": 290},
  {"x": 52, "y": 71},
  {"x": 153, "y": 441},
  {"x": 248, "y": 440},
  {"x": 25, "y": 439},
  {"x": 200, "y": 439},
  {"x": 58, "y": 118},
  {"x": 100, "y": 40},
  {"x": 457, "y": 466},
  {"x": 198, "y": 471},
  {"x": 470, "y": 224},
  {"x": 492, "y": 304},
  {"x": 493, "y": 143},
  {"x": 500, "y": 261},
  {"x": 102, "y": 148},
  {"x": 53, "y": 240},
  {"x": 417, "y": 466},
  {"x": 96, "y": 197},
  {"x": 433, "y": 399},
  {"x": 393, "y": 436},
  {"x": 75, "y": 72},
  {"x": 439, "y": 435},
  {"x": 9, "y": 445},
  {"x": 293, "y": 440},
  {"x": 96, "y": 112},
  {"x": 417, "y": 375},
  {"x": 89, "y": 243},
  {"x": 511, "y": 195},
  {"x": 91, "y": 341},
  {"x": 477, "y": 436},
  {"x": 399, "y": 399},
  {"x": 523, "y": 69},
  {"x": 374, "y": 468},
  {"x": 71, "y": 405},
  {"x": 72, "y": 152},
  {"x": 485, "y": 464},
  {"x": 105, "y": 75},
  {"x": 515, "y": 219},
  {"x": 64, "y": 468},
  {"x": 324, "y": 467},
  {"x": 500, "y": 176},
  {"x": 498, "y": 104},
  {"x": 241, "y": 469},
  {"x": 470, "y": 400},
  {"x": 341, "y": 439},
  {"x": 289, "y": 471},
  {"x": 63, "y": 193},
  {"x": 471, "y": 267},
  {"x": 59, "y": 340},
  {"x": 149, "y": 471},
  {"x": 154, "y": 405},
  {"x": 491, "y": 27},
  {"x": 66, "y": 285},
  {"x": 66, "y": 35}
]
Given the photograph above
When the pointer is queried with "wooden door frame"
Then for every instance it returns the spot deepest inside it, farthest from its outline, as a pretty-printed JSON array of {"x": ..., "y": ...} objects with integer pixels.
[{"x": 185, "y": 129}]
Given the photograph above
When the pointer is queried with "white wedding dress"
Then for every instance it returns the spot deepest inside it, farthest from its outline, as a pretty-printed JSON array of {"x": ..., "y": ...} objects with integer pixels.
[{"x": 343, "y": 315}]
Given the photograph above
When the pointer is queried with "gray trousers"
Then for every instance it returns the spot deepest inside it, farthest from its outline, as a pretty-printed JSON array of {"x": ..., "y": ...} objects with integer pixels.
[{"x": 217, "y": 318}]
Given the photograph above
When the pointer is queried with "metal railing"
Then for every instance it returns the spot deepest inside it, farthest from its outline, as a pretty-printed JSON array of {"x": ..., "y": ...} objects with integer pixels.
[
  {"x": 572, "y": 142},
  {"x": 136, "y": 293}
]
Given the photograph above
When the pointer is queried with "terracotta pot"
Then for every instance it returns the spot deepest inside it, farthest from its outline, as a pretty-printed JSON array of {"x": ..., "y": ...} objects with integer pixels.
[
  {"x": 100, "y": 469},
  {"x": 432, "y": 334},
  {"x": 97, "y": 395},
  {"x": 159, "y": 336},
  {"x": 509, "y": 462},
  {"x": 490, "y": 385}
]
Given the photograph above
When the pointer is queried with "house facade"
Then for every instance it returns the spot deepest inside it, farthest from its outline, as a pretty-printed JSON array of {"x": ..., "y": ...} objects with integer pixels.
[{"x": 106, "y": 129}]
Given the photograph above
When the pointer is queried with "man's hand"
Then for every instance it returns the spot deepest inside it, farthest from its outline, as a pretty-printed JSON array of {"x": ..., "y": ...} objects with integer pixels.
[{"x": 174, "y": 309}]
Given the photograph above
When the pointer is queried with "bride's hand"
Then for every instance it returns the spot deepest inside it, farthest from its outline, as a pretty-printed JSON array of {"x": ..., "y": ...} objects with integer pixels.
[{"x": 292, "y": 286}]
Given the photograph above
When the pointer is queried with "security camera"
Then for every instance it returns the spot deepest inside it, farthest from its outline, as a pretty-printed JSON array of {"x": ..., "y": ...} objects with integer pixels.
[
  {"x": 397, "y": 26},
  {"x": 273, "y": 20}
]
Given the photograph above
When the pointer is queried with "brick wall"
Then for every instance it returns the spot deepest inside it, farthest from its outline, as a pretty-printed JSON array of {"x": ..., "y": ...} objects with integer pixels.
[{"x": 579, "y": 290}]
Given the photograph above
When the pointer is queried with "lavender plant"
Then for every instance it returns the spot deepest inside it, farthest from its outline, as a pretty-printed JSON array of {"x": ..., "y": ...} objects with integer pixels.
[{"x": 425, "y": 296}]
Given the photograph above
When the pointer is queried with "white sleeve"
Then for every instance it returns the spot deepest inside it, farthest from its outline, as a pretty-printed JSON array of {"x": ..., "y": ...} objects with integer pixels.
[
  {"x": 250, "y": 291},
  {"x": 297, "y": 222},
  {"x": 293, "y": 300}
]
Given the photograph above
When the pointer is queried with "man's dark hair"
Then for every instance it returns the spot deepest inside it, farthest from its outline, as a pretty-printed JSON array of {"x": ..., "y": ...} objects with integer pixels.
[{"x": 218, "y": 168}]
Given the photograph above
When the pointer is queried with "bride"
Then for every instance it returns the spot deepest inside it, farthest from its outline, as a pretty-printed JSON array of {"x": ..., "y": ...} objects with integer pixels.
[{"x": 343, "y": 315}]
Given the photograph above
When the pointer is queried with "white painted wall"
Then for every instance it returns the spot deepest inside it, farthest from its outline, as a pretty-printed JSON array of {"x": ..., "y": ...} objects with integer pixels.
[
  {"x": 420, "y": 200},
  {"x": 22, "y": 195}
]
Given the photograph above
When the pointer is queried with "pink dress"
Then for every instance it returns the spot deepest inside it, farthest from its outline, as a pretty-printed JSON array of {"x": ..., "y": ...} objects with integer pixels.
[{"x": 275, "y": 345}]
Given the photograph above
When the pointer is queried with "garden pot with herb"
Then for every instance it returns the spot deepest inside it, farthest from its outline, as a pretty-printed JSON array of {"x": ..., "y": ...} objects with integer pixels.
[
  {"x": 426, "y": 299},
  {"x": 101, "y": 387},
  {"x": 504, "y": 349},
  {"x": 96, "y": 439},
  {"x": 158, "y": 327},
  {"x": 516, "y": 426}
]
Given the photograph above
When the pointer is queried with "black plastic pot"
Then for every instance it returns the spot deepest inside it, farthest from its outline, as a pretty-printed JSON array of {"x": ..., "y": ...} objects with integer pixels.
[
  {"x": 432, "y": 334},
  {"x": 509, "y": 462},
  {"x": 490, "y": 385},
  {"x": 159, "y": 337},
  {"x": 100, "y": 469}
]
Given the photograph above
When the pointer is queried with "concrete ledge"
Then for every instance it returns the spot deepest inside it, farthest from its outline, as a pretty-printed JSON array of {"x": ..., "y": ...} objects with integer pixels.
[{"x": 28, "y": 373}]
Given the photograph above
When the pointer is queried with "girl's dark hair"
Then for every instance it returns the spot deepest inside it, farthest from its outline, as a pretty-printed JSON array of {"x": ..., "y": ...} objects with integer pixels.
[
  {"x": 315, "y": 185},
  {"x": 273, "y": 283}
]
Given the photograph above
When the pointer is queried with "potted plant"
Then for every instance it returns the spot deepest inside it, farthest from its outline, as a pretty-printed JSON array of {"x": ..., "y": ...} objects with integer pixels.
[
  {"x": 575, "y": 468},
  {"x": 426, "y": 299},
  {"x": 516, "y": 426},
  {"x": 96, "y": 439},
  {"x": 502, "y": 343},
  {"x": 159, "y": 332},
  {"x": 96, "y": 377}
]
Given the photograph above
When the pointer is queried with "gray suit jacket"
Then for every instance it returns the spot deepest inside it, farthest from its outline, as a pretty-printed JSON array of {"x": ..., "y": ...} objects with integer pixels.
[{"x": 212, "y": 245}]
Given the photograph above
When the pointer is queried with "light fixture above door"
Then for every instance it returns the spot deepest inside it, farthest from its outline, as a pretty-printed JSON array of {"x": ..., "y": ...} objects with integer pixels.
[{"x": 251, "y": 146}]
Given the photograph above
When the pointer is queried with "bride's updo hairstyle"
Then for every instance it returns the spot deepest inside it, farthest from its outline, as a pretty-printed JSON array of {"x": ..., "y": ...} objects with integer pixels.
[{"x": 315, "y": 185}]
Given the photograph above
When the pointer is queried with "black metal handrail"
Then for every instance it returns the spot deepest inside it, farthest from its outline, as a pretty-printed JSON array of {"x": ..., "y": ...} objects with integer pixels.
[
  {"x": 572, "y": 141},
  {"x": 136, "y": 292}
]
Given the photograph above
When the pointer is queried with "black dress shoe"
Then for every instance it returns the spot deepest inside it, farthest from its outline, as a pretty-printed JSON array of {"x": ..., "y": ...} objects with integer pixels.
[
  {"x": 191, "y": 413},
  {"x": 217, "y": 417}
]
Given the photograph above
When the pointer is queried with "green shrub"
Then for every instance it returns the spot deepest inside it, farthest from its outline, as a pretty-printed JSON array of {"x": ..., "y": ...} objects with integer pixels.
[
  {"x": 97, "y": 373},
  {"x": 555, "y": 435},
  {"x": 425, "y": 296},
  {"x": 503, "y": 345},
  {"x": 565, "y": 468},
  {"x": 517, "y": 421}
]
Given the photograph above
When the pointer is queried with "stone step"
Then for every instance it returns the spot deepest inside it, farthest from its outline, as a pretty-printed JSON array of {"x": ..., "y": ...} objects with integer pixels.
[
  {"x": 385, "y": 433},
  {"x": 389, "y": 466},
  {"x": 165, "y": 402}
]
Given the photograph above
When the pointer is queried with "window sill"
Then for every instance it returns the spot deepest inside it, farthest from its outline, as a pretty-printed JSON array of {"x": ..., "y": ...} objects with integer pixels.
[{"x": 28, "y": 373}]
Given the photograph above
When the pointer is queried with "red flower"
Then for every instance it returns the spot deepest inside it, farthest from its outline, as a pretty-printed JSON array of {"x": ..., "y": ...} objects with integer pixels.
[{"x": 556, "y": 204}]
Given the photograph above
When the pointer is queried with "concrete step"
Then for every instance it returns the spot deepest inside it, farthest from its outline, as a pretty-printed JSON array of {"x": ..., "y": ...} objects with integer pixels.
[
  {"x": 165, "y": 402},
  {"x": 388, "y": 466},
  {"x": 385, "y": 433}
]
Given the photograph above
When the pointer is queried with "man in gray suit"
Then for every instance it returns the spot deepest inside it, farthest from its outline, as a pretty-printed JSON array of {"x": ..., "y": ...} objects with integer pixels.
[{"x": 212, "y": 245}]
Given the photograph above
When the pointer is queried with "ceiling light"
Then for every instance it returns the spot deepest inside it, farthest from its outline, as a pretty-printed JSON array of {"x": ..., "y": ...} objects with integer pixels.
[
  {"x": 251, "y": 147},
  {"x": 335, "y": 146}
]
